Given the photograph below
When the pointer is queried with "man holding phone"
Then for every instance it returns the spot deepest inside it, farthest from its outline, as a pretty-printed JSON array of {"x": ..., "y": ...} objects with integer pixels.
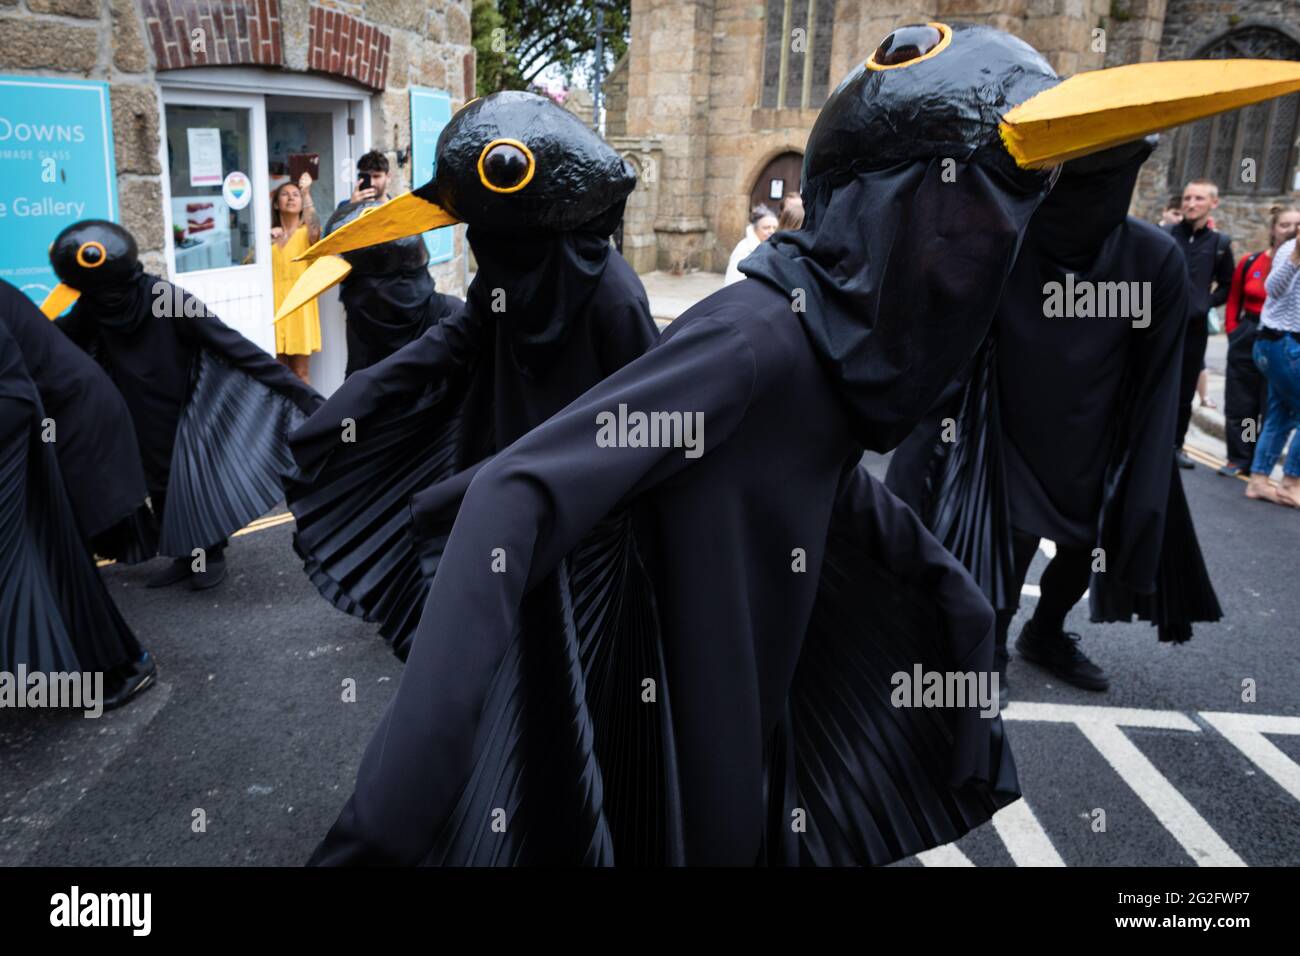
[
  {"x": 372, "y": 179},
  {"x": 388, "y": 297}
]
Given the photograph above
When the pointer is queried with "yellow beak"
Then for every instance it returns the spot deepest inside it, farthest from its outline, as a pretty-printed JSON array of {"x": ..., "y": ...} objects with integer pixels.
[
  {"x": 1093, "y": 111},
  {"x": 407, "y": 215},
  {"x": 325, "y": 272},
  {"x": 60, "y": 297}
]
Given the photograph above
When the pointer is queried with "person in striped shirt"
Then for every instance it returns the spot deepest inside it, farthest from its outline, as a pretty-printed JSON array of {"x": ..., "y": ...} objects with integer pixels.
[
  {"x": 1277, "y": 353},
  {"x": 1245, "y": 391}
]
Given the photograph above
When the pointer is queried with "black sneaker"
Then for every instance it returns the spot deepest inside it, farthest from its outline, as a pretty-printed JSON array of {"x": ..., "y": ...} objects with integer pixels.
[
  {"x": 213, "y": 573},
  {"x": 176, "y": 571},
  {"x": 1060, "y": 654},
  {"x": 1000, "y": 659},
  {"x": 1180, "y": 456},
  {"x": 141, "y": 677}
]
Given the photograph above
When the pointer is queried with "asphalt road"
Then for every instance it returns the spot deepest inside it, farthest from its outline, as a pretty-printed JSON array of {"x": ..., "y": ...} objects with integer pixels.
[{"x": 248, "y": 732}]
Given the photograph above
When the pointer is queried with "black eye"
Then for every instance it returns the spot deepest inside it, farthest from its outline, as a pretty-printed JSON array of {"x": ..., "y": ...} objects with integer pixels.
[
  {"x": 505, "y": 166},
  {"x": 906, "y": 44},
  {"x": 91, "y": 255}
]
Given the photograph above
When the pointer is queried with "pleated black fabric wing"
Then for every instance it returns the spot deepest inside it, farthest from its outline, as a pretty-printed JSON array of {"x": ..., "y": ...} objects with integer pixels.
[
  {"x": 1184, "y": 592},
  {"x": 230, "y": 453},
  {"x": 956, "y": 482},
  {"x": 55, "y": 614},
  {"x": 574, "y": 755},
  {"x": 353, "y": 509},
  {"x": 878, "y": 782},
  {"x": 32, "y": 632}
]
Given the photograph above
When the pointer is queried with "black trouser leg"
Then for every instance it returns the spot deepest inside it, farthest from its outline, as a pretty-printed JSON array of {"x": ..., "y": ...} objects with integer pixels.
[
  {"x": 1245, "y": 395},
  {"x": 1023, "y": 548},
  {"x": 1063, "y": 582},
  {"x": 1198, "y": 331}
]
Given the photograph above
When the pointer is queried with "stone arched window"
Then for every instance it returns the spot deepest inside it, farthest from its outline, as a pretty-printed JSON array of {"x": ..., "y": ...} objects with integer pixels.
[
  {"x": 797, "y": 53},
  {"x": 1223, "y": 147}
]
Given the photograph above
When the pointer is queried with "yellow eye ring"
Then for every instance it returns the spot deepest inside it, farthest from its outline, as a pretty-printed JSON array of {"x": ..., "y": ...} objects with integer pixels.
[
  {"x": 528, "y": 176},
  {"x": 945, "y": 38},
  {"x": 81, "y": 255}
]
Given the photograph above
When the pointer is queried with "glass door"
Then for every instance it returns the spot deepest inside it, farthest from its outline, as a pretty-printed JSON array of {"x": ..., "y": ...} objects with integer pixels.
[
  {"x": 314, "y": 133},
  {"x": 217, "y": 206}
]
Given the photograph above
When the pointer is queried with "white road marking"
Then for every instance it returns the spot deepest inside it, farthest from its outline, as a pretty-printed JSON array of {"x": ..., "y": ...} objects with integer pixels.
[
  {"x": 1101, "y": 725},
  {"x": 1027, "y": 841},
  {"x": 946, "y": 855},
  {"x": 1246, "y": 733},
  {"x": 1033, "y": 590},
  {"x": 1082, "y": 713},
  {"x": 1024, "y": 836}
]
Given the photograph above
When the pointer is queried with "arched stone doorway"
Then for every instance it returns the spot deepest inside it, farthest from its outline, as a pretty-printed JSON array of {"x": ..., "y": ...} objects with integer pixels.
[{"x": 780, "y": 176}]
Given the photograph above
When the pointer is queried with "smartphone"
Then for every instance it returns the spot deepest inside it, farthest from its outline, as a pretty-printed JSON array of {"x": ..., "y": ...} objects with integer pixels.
[{"x": 363, "y": 181}]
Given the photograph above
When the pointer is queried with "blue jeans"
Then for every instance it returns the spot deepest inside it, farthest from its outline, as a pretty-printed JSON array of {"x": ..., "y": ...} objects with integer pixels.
[{"x": 1279, "y": 360}]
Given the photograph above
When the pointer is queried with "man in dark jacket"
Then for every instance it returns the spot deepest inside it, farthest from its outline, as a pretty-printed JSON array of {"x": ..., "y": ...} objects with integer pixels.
[{"x": 1209, "y": 270}]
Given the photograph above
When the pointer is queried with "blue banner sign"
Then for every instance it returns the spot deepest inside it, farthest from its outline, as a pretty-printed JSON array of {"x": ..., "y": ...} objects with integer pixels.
[
  {"x": 56, "y": 167},
  {"x": 430, "y": 112}
]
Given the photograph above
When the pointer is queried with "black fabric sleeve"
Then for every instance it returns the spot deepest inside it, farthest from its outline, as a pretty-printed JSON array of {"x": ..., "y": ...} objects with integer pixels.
[
  {"x": 392, "y": 383},
  {"x": 1133, "y": 527},
  {"x": 207, "y": 331},
  {"x": 1223, "y": 264},
  {"x": 531, "y": 504}
]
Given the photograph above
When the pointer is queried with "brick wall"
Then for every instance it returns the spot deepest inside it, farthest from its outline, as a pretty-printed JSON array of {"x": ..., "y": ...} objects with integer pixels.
[
  {"x": 184, "y": 33},
  {"x": 345, "y": 46}
]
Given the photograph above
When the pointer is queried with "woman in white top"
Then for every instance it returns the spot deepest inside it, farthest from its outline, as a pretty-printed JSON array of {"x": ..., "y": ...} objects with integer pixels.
[
  {"x": 1277, "y": 354},
  {"x": 762, "y": 223}
]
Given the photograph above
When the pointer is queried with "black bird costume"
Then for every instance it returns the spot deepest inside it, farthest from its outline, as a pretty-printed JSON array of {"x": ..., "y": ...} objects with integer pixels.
[
  {"x": 1063, "y": 428},
  {"x": 713, "y": 685},
  {"x": 212, "y": 411},
  {"x": 387, "y": 293},
  {"x": 552, "y": 310},
  {"x": 55, "y": 613},
  {"x": 93, "y": 437}
]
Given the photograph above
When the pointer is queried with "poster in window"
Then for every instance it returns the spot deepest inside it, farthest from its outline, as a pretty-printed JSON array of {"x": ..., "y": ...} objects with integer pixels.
[{"x": 205, "y": 156}]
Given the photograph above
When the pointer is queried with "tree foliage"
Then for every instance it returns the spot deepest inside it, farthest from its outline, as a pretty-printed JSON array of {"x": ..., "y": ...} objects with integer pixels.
[{"x": 516, "y": 40}]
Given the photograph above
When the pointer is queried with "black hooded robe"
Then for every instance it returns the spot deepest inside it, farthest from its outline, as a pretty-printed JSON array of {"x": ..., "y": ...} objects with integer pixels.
[
  {"x": 212, "y": 411},
  {"x": 1064, "y": 427},
  {"x": 434, "y": 410},
  {"x": 55, "y": 613},
  {"x": 98, "y": 453},
  {"x": 389, "y": 298},
  {"x": 725, "y": 697}
]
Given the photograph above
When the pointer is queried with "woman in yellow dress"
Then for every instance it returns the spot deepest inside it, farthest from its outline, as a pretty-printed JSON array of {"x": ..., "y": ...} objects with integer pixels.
[{"x": 294, "y": 227}]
